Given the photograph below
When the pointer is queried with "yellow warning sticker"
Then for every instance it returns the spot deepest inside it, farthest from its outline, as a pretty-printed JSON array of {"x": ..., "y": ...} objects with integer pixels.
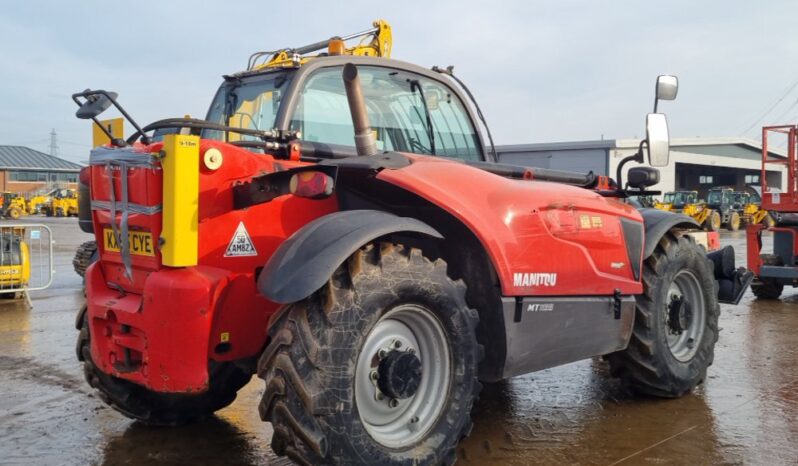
[
  {"x": 225, "y": 337},
  {"x": 584, "y": 221},
  {"x": 596, "y": 220}
]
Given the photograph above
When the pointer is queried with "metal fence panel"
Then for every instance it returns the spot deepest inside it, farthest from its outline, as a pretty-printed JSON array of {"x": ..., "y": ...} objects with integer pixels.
[{"x": 26, "y": 257}]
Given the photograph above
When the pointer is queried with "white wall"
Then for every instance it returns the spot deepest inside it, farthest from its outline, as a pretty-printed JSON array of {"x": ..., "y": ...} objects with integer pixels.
[{"x": 668, "y": 174}]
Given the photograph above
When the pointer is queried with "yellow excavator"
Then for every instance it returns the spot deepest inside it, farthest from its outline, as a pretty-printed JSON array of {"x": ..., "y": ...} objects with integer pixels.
[{"x": 687, "y": 203}]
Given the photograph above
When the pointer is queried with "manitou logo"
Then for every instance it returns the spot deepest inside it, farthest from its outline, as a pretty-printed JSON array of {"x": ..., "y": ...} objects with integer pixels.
[{"x": 534, "y": 279}]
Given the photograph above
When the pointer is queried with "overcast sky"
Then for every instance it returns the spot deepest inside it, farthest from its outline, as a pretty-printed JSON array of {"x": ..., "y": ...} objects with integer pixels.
[{"x": 542, "y": 71}]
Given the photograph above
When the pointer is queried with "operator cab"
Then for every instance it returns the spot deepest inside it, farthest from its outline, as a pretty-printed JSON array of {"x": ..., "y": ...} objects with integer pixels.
[{"x": 411, "y": 109}]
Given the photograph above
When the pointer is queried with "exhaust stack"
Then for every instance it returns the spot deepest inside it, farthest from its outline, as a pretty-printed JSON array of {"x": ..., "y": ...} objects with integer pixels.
[{"x": 365, "y": 143}]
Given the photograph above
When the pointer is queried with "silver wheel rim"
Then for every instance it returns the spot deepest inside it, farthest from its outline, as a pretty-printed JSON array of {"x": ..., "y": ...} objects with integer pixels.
[
  {"x": 684, "y": 343},
  {"x": 400, "y": 423}
]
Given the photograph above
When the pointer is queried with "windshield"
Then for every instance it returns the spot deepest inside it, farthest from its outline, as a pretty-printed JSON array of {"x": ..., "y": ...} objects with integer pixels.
[
  {"x": 250, "y": 104},
  {"x": 678, "y": 199},
  {"x": 714, "y": 197}
]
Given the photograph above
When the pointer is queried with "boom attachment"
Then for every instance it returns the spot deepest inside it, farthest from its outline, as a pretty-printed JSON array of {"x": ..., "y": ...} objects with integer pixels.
[{"x": 379, "y": 46}]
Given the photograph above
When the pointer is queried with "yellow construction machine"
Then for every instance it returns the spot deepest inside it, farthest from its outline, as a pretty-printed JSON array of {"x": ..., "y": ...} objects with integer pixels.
[
  {"x": 37, "y": 201},
  {"x": 687, "y": 203},
  {"x": 14, "y": 262},
  {"x": 14, "y": 206},
  {"x": 750, "y": 208},
  {"x": 62, "y": 203}
]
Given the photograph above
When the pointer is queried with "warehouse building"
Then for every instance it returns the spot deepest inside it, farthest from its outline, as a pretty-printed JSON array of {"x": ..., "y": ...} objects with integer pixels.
[
  {"x": 695, "y": 164},
  {"x": 25, "y": 170}
]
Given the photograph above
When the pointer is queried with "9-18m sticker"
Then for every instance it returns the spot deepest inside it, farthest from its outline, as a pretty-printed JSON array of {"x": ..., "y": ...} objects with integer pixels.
[{"x": 241, "y": 244}]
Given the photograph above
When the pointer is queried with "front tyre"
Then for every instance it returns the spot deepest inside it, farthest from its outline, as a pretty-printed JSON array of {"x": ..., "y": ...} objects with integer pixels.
[
  {"x": 734, "y": 222},
  {"x": 378, "y": 367},
  {"x": 676, "y": 322}
]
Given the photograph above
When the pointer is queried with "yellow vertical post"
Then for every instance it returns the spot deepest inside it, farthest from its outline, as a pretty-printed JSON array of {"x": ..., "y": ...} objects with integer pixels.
[{"x": 180, "y": 200}]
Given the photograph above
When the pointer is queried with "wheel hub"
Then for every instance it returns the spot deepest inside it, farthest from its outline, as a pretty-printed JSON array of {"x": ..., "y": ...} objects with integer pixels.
[
  {"x": 679, "y": 314},
  {"x": 399, "y": 374}
]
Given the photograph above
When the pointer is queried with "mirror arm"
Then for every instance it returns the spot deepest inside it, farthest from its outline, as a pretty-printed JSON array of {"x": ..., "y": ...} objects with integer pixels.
[{"x": 636, "y": 157}]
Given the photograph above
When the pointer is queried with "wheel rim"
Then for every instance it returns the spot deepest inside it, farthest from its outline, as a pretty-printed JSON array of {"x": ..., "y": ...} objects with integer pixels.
[
  {"x": 685, "y": 316},
  {"x": 392, "y": 422}
]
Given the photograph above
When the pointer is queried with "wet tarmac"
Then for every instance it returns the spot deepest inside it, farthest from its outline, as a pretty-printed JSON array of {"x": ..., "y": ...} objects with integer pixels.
[{"x": 745, "y": 413}]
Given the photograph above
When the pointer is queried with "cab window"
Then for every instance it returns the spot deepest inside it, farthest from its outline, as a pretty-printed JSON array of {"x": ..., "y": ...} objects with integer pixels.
[{"x": 408, "y": 112}]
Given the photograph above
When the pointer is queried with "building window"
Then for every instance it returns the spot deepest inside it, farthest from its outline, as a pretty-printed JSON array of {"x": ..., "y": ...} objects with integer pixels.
[
  {"x": 42, "y": 177},
  {"x": 705, "y": 179},
  {"x": 751, "y": 179}
]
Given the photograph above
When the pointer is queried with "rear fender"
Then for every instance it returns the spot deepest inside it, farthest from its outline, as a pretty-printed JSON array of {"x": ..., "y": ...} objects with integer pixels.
[{"x": 307, "y": 259}]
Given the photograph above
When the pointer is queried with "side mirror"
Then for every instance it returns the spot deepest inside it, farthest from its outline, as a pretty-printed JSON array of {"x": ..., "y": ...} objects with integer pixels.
[
  {"x": 94, "y": 105},
  {"x": 667, "y": 87},
  {"x": 657, "y": 139}
]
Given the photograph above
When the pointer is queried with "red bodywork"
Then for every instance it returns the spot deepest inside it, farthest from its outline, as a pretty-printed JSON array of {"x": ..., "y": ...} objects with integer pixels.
[{"x": 161, "y": 329}]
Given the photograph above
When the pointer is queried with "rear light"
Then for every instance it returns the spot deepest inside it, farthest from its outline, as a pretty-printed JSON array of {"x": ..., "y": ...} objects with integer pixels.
[
  {"x": 85, "y": 175},
  {"x": 310, "y": 184}
]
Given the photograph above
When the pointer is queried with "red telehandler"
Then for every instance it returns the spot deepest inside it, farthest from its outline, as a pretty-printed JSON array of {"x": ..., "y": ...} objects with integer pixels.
[{"x": 373, "y": 285}]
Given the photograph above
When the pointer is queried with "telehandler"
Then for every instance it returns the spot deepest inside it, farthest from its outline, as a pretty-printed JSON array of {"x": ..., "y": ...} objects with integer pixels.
[
  {"x": 321, "y": 229},
  {"x": 687, "y": 203}
]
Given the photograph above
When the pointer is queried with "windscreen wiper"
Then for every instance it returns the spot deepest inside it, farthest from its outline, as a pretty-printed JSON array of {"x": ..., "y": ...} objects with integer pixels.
[{"x": 414, "y": 84}]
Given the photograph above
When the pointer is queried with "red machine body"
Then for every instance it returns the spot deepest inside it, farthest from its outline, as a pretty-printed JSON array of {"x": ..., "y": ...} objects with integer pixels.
[{"x": 161, "y": 328}]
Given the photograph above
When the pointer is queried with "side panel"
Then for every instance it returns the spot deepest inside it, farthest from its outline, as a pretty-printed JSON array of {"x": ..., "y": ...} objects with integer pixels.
[
  {"x": 548, "y": 332},
  {"x": 542, "y": 238}
]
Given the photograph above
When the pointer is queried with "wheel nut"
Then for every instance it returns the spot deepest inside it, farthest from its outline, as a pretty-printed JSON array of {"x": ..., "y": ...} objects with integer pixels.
[
  {"x": 379, "y": 396},
  {"x": 393, "y": 403},
  {"x": 397, "y": 344},
  {"x": 382, "y": 353},
  {"x": 414, "y": 419},
  {"x": 374, "y": 375},
  {"x": 411, "y": 350}
]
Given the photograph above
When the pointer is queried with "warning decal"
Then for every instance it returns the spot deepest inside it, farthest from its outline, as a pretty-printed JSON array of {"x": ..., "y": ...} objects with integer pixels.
[{"x": 241, "y": 244}]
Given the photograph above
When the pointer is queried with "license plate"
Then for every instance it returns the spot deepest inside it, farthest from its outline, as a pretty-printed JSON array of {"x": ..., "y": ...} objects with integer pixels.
[{"x": 140, "y": 242}]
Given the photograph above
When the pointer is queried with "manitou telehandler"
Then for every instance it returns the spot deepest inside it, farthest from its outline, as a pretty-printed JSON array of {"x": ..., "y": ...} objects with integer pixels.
[{"x": 339, "y": 225}]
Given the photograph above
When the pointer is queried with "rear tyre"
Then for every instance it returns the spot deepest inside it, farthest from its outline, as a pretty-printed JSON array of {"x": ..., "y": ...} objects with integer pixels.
[
  {"x": 676, "y": 322},
  {"x": 734, "y": 222},
  {"x": 766, "y": 288},
  {"x": 159, "y": 409},
  {"x": 86, "y": 255},
  {"x": 377, "y": 367}
]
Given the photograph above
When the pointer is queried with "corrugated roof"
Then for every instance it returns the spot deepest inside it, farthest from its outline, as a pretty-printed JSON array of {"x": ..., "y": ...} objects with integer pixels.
[{"x": 25, "y": 158}]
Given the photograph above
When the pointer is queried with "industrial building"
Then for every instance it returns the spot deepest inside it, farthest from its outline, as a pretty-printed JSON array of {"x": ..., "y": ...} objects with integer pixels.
[
  {"x": 24, "y": 170},
  {"x": 696, "y": 164}
]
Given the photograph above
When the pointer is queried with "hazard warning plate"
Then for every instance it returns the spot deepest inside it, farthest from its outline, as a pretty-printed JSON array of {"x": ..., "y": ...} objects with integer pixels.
[{"x": 241, "y": 245}]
